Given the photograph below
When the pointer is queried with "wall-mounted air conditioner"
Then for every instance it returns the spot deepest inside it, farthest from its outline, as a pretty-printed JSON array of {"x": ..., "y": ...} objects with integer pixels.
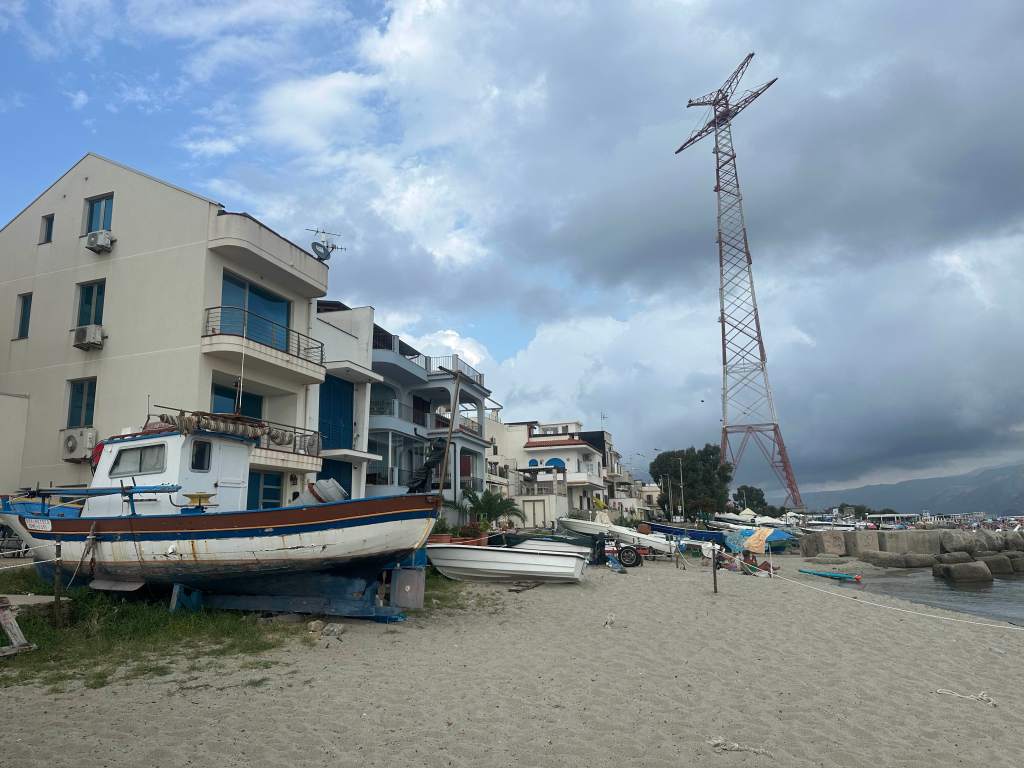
[
  {"x": 76, "y": 443},
  {"x": 89, "y": 337},
  {"x": 100, "y": 241}
]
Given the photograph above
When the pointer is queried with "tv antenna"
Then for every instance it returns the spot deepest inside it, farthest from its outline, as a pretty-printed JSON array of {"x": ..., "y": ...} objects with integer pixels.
[{"x": 323, "y": 245}]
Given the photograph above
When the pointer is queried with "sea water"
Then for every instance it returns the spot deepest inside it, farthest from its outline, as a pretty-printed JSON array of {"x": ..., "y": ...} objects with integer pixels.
[{"x": 1002, "y": 599}]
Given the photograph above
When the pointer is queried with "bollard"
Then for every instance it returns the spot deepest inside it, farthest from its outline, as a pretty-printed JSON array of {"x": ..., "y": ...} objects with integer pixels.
[
  {"x": 58, "y": 618},
  {"x": 714, "y": 566}
]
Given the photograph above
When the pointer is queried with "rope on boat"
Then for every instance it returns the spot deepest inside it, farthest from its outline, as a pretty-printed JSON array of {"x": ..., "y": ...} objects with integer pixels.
[
  {"x": 861, "y": 601},
  {"x": 30, "y": 562},
  {"x": 982, "y": 697}
]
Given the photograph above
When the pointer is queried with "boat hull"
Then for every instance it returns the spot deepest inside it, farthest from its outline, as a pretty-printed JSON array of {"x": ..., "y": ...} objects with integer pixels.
[
  {"x": 212, "y": 549},
  {"x": 466, "y": 562},
  {"x": 589, "y": 527},
  {"x": 694, "y": 534}
]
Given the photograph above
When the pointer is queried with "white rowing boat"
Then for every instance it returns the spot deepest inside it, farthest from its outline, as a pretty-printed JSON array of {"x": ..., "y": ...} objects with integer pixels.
[{"x": 467, "y": 562}]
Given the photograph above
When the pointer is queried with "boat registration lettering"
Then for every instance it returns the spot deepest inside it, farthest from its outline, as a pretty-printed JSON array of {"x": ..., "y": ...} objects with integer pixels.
[{"x": 34, "y": 524}]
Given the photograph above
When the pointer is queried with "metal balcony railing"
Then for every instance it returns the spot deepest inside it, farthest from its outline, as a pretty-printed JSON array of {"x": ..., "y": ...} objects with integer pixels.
[
  {"x": 455, "y": 363},
  {"x": 398, "y": 410},
  {"x": 472, "y": 483},
  {"x": 464, "y": 423},
  {"x": 235, "y": 321},
  {"x": 269, "y": 435}
]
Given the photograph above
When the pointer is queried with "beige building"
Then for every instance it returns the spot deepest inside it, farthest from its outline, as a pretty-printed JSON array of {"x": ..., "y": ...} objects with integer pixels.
[{"x": 126, "y": 293}]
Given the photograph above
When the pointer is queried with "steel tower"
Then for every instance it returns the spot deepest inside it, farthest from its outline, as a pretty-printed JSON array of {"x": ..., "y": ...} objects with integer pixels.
[{"x": 748, "y": 412}]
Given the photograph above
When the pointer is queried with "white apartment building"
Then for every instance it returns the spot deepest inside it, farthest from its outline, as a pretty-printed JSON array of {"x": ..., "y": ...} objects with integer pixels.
[
  {"x": 127, "y": 293},
  {"x": 412, "y": 405}
]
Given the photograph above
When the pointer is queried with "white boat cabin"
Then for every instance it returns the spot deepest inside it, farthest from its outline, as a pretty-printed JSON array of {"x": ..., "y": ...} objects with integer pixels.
[{"x": 200, "y": 462}]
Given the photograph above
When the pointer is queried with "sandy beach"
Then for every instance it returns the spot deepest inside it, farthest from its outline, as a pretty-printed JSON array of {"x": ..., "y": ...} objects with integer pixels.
[{"x": 536, "y": 679}]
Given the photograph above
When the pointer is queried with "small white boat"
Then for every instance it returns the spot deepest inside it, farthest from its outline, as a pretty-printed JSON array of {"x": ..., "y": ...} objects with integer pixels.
[
  {"x": 467, "y": 562},
  {"x": 542, "y": 545},
  {"x": 632, "y": 536},
  {"x": 591, "y": 527}
]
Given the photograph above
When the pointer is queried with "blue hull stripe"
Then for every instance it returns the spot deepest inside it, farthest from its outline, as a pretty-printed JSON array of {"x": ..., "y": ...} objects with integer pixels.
[{"x": 240, "y": 533}]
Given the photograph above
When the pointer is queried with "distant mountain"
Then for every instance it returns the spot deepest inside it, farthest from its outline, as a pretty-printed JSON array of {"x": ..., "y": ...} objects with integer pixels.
[{"x": 995, "y": 491}]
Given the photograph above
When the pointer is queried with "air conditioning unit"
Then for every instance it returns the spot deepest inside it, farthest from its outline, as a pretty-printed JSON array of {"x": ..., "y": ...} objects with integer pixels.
[
  {"x": 76, "y": 444},
  {"x": 89, "y": 337},
  {"x": 100, "y": 241}
]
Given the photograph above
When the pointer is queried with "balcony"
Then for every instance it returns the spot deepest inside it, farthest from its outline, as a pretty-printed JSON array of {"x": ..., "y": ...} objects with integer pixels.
[
  {"x": 454, "y": 363},
  {"x": 588, "y": 477},
  {"x": 240, "y": 238},
  {"x": 232, "y": 332},
  {"x": 397, "y": 360},
  {"x": 472, "y": 484},
  {"x": 466, "y": 424}
]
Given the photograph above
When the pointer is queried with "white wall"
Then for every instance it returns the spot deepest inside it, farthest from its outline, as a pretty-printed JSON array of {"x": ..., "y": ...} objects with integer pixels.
[{"x": 14, "y": 417}]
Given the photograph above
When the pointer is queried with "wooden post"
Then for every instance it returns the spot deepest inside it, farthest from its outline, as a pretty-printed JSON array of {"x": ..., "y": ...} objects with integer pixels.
[
  {"x": 58, "y": 617},
  {"x": 714, "y": 565}
]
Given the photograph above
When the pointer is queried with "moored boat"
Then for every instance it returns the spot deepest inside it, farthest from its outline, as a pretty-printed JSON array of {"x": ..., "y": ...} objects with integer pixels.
[
  {"x": 579, "y": 544},
  {"x": 463, "y": 561}
]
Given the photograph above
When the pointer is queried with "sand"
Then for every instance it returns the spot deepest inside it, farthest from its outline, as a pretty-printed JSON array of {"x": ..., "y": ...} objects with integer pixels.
[{"x": 536, "y": 679}]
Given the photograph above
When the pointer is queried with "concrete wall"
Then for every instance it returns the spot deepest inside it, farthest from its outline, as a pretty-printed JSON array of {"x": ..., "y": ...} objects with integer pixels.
[{"x": 14, "y": 417}]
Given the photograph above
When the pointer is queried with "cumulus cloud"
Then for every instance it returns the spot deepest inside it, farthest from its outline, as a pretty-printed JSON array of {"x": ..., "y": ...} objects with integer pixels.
[{"x": 77, "y": 99}]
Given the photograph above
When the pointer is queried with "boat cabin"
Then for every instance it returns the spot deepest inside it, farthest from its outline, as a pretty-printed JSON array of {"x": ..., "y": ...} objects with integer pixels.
[{"x": 200, "y": 462}]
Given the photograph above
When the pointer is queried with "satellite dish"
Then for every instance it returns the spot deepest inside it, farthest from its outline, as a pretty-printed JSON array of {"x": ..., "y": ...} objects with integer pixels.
[{"x": 322, "y": 250}]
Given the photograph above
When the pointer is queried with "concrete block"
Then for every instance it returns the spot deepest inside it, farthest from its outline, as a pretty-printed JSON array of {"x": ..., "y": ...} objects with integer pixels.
[
  {"x": 832, "y": 543},
  {"x": 958, "y": 541},
  {"x": 1018, "y": 564},
  {"x": 968, "y": 572},
  {"x": 856, "y": 541},
  {"x": 918, "y": 560},
  {"x": 1012, "y": 554},
  {"x": 987, "y": 540},
  {"x": 1014, "y": 540},
  {"x": 926, "y": 542},
  {"x": 893, "y": 541},
  {"x": 810, "y": 544},
  {"x": 954, "y": 557},
  {"x": 941, "y": 570},
  {"x": 890, "y": 560},
  {"x": 868, "y": 555},
  {"x": 999, "y": 565}
]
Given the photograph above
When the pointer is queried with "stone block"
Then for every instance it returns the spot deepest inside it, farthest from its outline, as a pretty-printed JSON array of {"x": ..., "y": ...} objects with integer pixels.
[
  {"x": 999, "y": 565},
  {"x": 1014, "y": 540},
  {"x": 940, "y": 570},
  {"x": 918, "y": 560},
  {"x": 1012, "y": 554},
  {"x": 926, "y": 542},
  {"x": 893, "y": 541},
  {"x": 958, "y": 541},
  {"x": 856, "y": 541},
  {"x": 868, "y": 555},
  {"x": 810, "y": 544},
  {"x": 1018, "y": 564},
  {"x": 890, "y": 560},
  {"x": 988, "y": 540},
  {"x": 982, "y": 553},
  {"x": 968, "y": 572},
  {"x": 832, "y": 543},
  {"x": 954, "y": 557}
]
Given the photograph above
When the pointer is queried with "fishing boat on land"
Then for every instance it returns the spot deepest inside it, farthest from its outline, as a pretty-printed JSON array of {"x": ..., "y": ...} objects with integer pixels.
[
  {"x": 192, "y": 522},
  {"x": 619, "y": 533},
  {"x": 589, "y": 527},
  {"x": 467, "y": 562},
  {"x": 691, "y": 534},
  {"x": 579, "y": 544}
]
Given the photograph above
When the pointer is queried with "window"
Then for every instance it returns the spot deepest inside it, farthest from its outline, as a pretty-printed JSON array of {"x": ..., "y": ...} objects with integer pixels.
[
  {"x": 223, "y": 401},
  {"x": 268, "y": 315},
  {"x": 201, "y": 451},
  {"x": 90, "y": 302},
  {"x": 144, "y": 460},
  {"x": 99, "y": 211},
  {"x": 46, "y": 230},
  {"x": 264, "y": 490},
  {"x": 24, "y": 315},
  {"x": 81, "y": 402}
]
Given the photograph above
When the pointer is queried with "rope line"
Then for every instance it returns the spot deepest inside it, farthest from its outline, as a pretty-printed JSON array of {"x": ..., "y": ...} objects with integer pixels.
[
  {"x": 982, "y": 697},
  {"x": 861, "y": 601},
  {"x": 31, "y": 562}
]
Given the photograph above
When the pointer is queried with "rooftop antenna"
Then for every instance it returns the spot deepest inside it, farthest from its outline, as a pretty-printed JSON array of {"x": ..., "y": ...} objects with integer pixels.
[
  {"x": 746, "y": 394},
  {"x": 323, "y": 246}
]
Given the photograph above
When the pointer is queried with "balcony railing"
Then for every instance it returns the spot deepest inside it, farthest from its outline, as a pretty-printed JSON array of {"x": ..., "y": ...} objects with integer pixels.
[
  {"x": 399, "y": 410},
  {"x": 465, "y": 423},
  {"x": 472, "y": 483},
  {"x": 235, "y": 321},
  {"x": 455, "y": 363},
  {"x": 270, "y": 435},
  {"x": 377, "y": 473},
  {"x": 289, "y": 439}
]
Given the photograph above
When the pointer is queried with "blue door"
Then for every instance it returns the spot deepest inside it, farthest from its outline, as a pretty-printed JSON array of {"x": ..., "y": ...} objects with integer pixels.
[{"x": 336, "y": 413}]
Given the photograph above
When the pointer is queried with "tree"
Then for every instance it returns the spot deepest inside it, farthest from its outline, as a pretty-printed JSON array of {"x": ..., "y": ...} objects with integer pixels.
[
  {"x": 751, "y": 497},
  {"x": 487, "y": 507},
  {"x": 705, "y": 479}
]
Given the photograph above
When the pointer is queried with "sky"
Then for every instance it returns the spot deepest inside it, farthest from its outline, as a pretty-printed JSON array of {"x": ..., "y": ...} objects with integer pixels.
[{"x": 502, "y": 178}]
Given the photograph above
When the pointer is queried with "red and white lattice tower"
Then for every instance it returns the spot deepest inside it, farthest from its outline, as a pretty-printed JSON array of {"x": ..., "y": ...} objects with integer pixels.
[{"x": 748, "y": 412}]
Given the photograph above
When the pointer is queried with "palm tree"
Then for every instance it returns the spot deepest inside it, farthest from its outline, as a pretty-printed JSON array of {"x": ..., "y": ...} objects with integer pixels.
[{"x": 487, "y": 507}]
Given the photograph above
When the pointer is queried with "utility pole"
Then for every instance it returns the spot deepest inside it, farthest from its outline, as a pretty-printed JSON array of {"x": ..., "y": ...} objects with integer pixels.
[
  {"x": 668, "y": 483},
  {"x": 748, "y": 410},
  {"x": 682, "y": 493}
]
